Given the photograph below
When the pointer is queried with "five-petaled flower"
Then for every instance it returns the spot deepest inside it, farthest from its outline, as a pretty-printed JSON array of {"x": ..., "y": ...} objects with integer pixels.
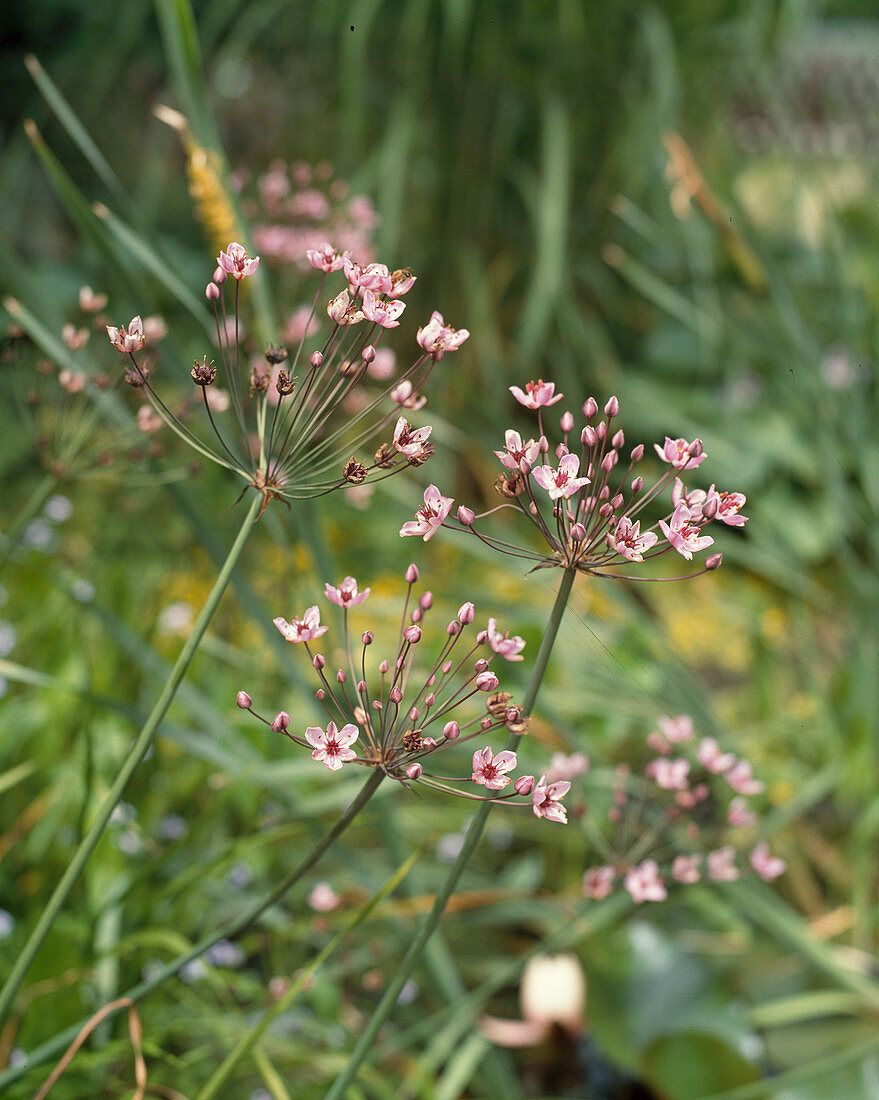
[
  {"x": 305, "y": 629},
  {"x": 429, "y": 517},
  {"x": 325, "y": 258},
  {"x": 536, "y": 394},
  {"x": 627, "y": 539},
  {"x": 409, "y": 441},
  {"x": 332, "y": 746},
  {"x": 562, "y": 482},
  {"x": 127, "y": 340},
  {"x": 546, "y": 800},
  {"x": 385, "y": 314},
  {"x": 502, "y": 643},
  {"x": 517, "y": 452},
  {"x": 683, "y": 535},
  {"x": 346, "y": 595},
  {"x": 491, "y": 770},
  {"x": 436, "y": 337},
  {"x": 235, "y": 261},
  {"x": 681, "y": 454}
]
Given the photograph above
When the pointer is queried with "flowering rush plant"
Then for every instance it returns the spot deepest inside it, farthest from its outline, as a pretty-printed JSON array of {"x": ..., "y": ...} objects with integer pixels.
[
  {"x": 587, "y": 509},
  {"x": 403, "y": 721},
  {"x": 687, "y": 816},
  {"x": 296, "y": 425}
]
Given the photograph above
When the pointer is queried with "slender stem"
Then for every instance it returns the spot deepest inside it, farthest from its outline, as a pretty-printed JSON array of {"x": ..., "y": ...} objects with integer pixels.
[
  {"x": 227, "y": 931},
  {"x": 138, "y": 751},
  {"x": 410, "y": 959}
]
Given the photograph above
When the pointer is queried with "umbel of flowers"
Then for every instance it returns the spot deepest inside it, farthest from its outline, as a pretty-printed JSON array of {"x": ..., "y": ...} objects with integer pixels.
[
  {"x": 684, "y": 816},
  {"x": 589, "y": 501},
  {"x": 297, "y": 425},
  {"x": 404, "y": 712}
]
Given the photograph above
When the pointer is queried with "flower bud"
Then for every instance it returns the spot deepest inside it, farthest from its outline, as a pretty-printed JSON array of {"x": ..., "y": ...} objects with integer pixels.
[
  {"x": 466, "y": 515},
  {"x": 367, "y": 637},
  {"x": 243, "y": 700},
  {"x": 578, "y": 532},
  {"x": 605, "y": 510},
  {"x": 588, "y": 437},
  {"x": 317, "y": 359},
  {"x": 713, "y": 562},
  {"x": 524, "y": 784},
  {"x": 601, "y": 430},
  {"x": 619, "y": 438},
  {"x": 413, "y": 714},
  {"x": 454, "y": 628},
  {"x": 318, "y": 661},
  {"x": 383, "y": 667},
  {"x": 485, "y": 723},
  {"x": 637, "y": 484},
  {"x": 451, "y": 730},
  {"x": 487, "y": 681},
  {"x": 709, "y": 508},
  {"x": 616, "y": 501},
  {"x": 567, "y": 422},
  {"x": 695, "y": 449},
  {"x": 426, "y": 601},
  {"x": 466, "y": 613},
  {"x": 429, "y": 699},
  {"x": 320, "y": 695},
  {"x": 637, "y": 453},
  {"x": 368, "y": 353},
  {"x": 281, "y": 721},
  {"x": 417, "y": 615},
  {"x": 525, "y": 467},
  {"x": 411, "y": 574},
  {"x": 412, "y": 634},
  {"x": 612, "y": 408},
  {"x": 340, "y": 676},
  {"x": 481, "y": 665},
  {"x": 609, "y": 461},
  {"x": 590, "y": 408},
  {"x": 561, "y": 450},
  {"x": 429, "y": 743},
  {"x": 482, "y": 637},
  {"x": 543, "y": 443},
  {"x": 447, "y": 667},
  {"x": 219, "y": 275},
  {"x": 361, "y": 687},
  {"x": 414, "y": 771},
  {"x": 212, "y": 292},
  {"x": 396, "y": 695}
]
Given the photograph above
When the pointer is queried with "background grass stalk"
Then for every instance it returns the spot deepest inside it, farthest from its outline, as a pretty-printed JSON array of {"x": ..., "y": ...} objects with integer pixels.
[
  {"x": 138, "y": 751},
  {"x": 10, "y": 537},
  {"x": 474, "y": 833},
  {"x": 227, "y": 932}
]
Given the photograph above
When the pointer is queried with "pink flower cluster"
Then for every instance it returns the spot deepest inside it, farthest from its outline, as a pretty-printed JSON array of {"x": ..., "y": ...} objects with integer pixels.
[
  {"x": 686, "y": 818},
  {"x": 287, "y": 423},
  {"x": 414, "y": 710},
  {"x": 587, "y": 509}
]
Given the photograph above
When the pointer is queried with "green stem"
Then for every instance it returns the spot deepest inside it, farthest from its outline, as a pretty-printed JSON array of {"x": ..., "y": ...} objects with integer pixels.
[
  {"x": 228, "y": 931},
  {"x": 34, "y": 503},
  {"x": 138, "y": 750},
  {"x": 410, "y": 959}
]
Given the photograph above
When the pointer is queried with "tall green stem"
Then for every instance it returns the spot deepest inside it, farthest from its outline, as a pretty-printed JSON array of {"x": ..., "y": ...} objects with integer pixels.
[
  {"x": 410, "y": 959},
  {"x": 228, "y": 931},
  {"x": 138, "y": 751}
]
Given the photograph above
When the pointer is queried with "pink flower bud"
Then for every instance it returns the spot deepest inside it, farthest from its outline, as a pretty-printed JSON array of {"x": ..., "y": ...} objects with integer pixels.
[
  {"x": 412, "y": 634},
  {"x": 383, "y": 667},
  {"x": 451, "y": 730},
  {"x": 243, "y": 700},
  {"x": 487, "y": 681},
  {"x": 466, "y": 515},
  {"x": 481, "y": 665},
  {"x": 367, "y": 637},
  {"x": 482, "y": 637},
  {"x": 453, "y": 628},
  {"x": 417, "y": 615},
  {"x": 340, "y": 676},
  {"x": 413, "y": 714},
  {"x": 524, "y": 784},
  {"x": 429, "y": 699},
  {"x": 713, "y": 562},
  {"x": 588, "y": 437},
  {"x": 605, "y": 510},
  {"x": 619, "y": 439},
  {"x": 561, "y": 450},
  {"x": 320, "y": 695},
  {"x": 709, "y": 508},
  {"x": 525, "y": 467},
  {"x": 368, "y": 353},
  {"x": 466, "y": 613},
  {"x": 361, "y": 687},
  {"x": 212, "y": 292},
  {"x": 543, "y": 443},
  {"x": 414, "y": 771},
  {"x": 617, "y": 501},
  {"x": 695, "y": 449},
  {"x": 567, "y": 422},
  {"x": 590, "y": 408},
  {"x": 281, "y": 721},
  {"x": 578, "y": 532},
  {"x": 317, "y": 359},
  {"x": 485, "y": 723},
  {"x": 609, "y": 461},
  {"x": 219, "y": 275},
  {"x": 638, "y": 452},
  {"x": 601, "y": 430},
  {"x": 612, "y": 408},
  {"x": 637, "y": 484},
  {"x": 396, "y": 695},
  {"x": 318, "y": 661},
  {"x": 429, "y": 743},
  {"x": 411, "y": 574},
  {"x": 447, "y": 667},
  {"x": 426, "y": 601}
]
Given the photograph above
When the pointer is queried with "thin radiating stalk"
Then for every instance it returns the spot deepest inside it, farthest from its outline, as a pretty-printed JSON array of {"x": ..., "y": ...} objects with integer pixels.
[
  {"x": 227, "y": 931},
  {"x": 138, "y": 751},
  {"x": 471, "y": 840}
]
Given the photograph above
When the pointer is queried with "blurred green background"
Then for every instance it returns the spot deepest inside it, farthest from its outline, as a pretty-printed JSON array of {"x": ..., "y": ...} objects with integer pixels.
[{"x": 673, "y": 202}]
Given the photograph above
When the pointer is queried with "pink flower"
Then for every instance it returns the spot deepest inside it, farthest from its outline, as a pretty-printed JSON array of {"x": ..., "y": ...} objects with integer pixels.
[
  {"x": 547, "y": 800},
  {"x": 681, "y": 454},
  {"x": 693, "y": 499},
  {"x": 510, "y": 648},
  {"x": 741, "y": 779},
  {"x": 684, "y": 537},
  {"x": 323, "y": 898},
  {"x": 487, "y": 681},
  {"x": 765, "y": 864},
  {"x": 739, "y": 814},
  {"x": 332, "y": 747},
  {"x": 235, "y": 261},
  {"x": 325, "y": 258},
  {"x": 127, "y": 341},
  {"x": 709, "y": 756},
  {"x": 409, "y": 441},
  {"x": 563, "y": 766},
  {"x": 491, "y": 770},
  {"x": 429, "y": 518},
  {"x": 373, "y": 277},
  {"x": 401, "y": 283},
  {"x": 627, "y": 539},
  {"x": 728, "y": 507},
  {"x": 404, "y": 394},
  {"x": 720, "y": 865},
  {"x": 686, "y": 868},
  {"x": 678, "y": 729},
  {"x": 346, "y": 595},
  {"x": 517, "y": 451},
  {"x": 562, "y": 482},
  {"x": 644, "y": 882},
  {"x": 598, "y": 882},
  {"x": 536, "y": 394},
  {"x": 437, "y": 337},
  {"x": 382, "y": 313},
  {"x": 343, "y": 311},
  {"x": 302, "y": 630},
  {"x": 670, "y": 775}
]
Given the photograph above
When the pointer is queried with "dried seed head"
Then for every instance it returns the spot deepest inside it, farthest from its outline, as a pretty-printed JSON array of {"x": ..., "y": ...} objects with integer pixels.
[
  {"x": 498, "y": 704},
  {"x": 412, "y": 741},
  {"x": 510, "y": 485},
  {"x": 354, "y": 472},
  {"x": 259, "y": 380},
  {"x": 203, "y": 373},
  {"x": 276, "y": 355},
  {"x": 384, "y": 456},
  {"x": 284, "y": 384}
]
